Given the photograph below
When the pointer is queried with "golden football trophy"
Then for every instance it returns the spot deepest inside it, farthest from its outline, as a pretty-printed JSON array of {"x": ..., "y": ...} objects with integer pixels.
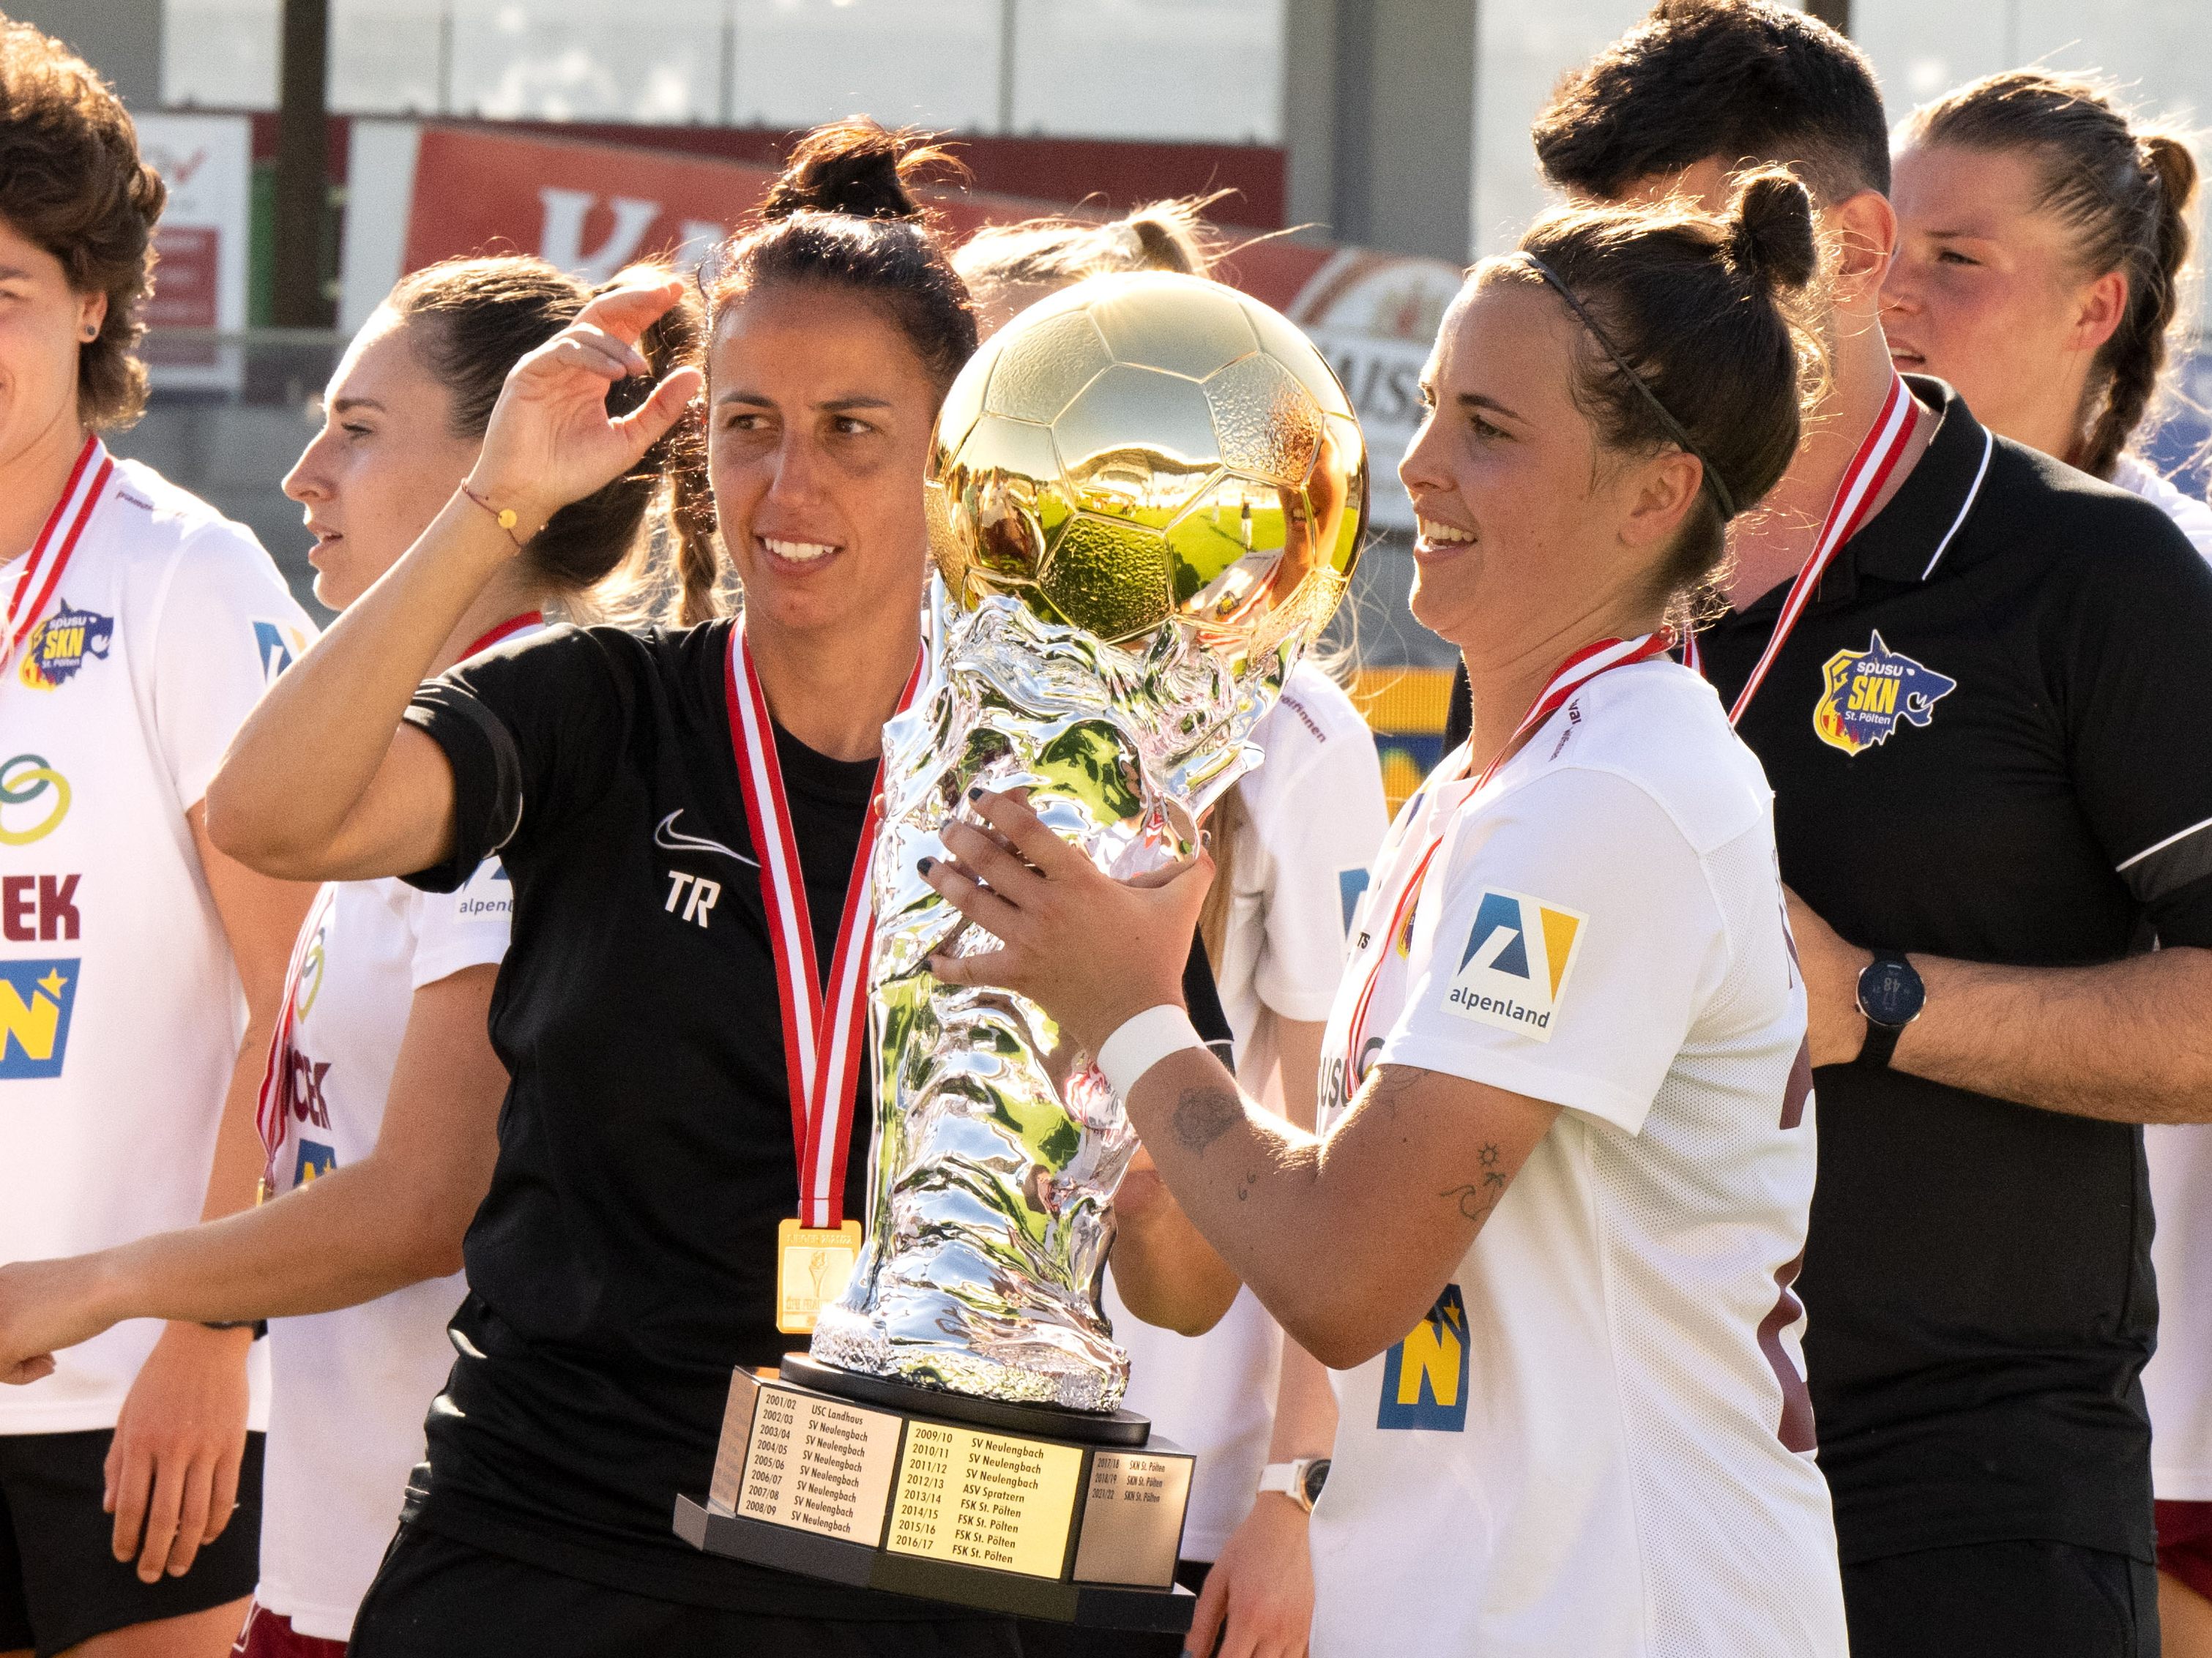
[{"x": 1146, "y": 496}]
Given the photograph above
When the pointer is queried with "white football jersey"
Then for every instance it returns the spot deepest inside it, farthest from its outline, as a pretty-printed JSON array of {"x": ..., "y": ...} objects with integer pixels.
[
  {"x": 1314, "y": 814},
  {"x": 120, "y": 1009},
  {"x": 2177, "y": 1381},
  {"x": 352, "y": 1387},
  {"x": 1598, "y": 1441}
]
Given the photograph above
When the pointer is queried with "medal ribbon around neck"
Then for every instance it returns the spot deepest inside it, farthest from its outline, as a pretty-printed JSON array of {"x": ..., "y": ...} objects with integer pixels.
[
  {"x": 40, "y": 577},
  {"x": 1855, "y": 493},
  {"x": 1569, "y": 677},
  {"x": 506, "y": 630},
  {"x": 821, "y": 1055},
  {"x": 272, "y": 1104}
]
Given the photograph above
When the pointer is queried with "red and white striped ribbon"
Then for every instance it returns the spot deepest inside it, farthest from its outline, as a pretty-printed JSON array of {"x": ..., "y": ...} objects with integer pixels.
[
  {"x": 1861, "y": 486},
  {"x": 40, "y": 578},
  {"x": 1569, "y": 677},
  {"x": 504, "y": 631},
  {"x": 821, "y": 1048}
]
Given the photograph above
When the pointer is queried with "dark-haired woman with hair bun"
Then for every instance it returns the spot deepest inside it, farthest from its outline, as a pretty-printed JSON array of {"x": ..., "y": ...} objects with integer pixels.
[
  {"x": 625, "y": 1259},
  {"x": 381, "y": 1088},
  {"x": 2044, "y": 253},
  {"x": 1547, "y": 1231}
]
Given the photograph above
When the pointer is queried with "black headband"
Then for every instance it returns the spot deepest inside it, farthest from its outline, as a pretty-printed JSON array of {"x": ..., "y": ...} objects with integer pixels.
[{"x": 1720, "y": 494}]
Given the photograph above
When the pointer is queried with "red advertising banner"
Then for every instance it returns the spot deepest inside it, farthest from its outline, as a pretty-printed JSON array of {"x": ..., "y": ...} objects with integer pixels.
[{"x": 595, "y": 207}]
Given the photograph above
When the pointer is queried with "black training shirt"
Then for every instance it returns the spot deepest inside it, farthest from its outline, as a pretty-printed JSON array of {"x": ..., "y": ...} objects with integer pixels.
[
  {"x": 1990, "y": 739},
  {"x": 625, "y": 1260}
]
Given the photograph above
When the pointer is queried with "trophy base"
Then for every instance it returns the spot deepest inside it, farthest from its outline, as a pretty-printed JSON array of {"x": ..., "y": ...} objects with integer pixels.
[
  {"x": 975, "y": 1502},
  {"x": 1115, "y": 1427}
]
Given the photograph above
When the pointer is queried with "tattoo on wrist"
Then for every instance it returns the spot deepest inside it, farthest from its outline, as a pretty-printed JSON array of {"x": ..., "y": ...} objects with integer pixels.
[
  {"x": 1477, "y": 1197},
  {"x": 1203, "y": 1115}
]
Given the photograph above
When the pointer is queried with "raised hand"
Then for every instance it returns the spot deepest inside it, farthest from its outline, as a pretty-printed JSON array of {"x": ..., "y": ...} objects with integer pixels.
[{"x": 552, "y": 440}]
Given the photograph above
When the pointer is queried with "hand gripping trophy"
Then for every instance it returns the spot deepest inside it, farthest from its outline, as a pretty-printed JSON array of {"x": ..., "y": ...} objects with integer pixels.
[{"x": 1145, "y": 495}]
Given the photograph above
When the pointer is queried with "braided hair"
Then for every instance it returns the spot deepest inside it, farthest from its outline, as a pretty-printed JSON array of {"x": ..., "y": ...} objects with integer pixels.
[{"x": 2123, "y": 194}]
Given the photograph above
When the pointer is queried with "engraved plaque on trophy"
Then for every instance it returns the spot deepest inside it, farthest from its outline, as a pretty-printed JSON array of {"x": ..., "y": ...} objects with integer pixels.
[{"x": 1145, "y": 496}]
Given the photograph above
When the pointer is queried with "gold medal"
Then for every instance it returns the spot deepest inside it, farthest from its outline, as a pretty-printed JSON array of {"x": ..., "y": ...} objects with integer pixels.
[{"x": 811, "y": 1266}]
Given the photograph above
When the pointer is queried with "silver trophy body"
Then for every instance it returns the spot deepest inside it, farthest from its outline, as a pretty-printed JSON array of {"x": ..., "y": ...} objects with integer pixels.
[{"x": 1146, "y": 498}]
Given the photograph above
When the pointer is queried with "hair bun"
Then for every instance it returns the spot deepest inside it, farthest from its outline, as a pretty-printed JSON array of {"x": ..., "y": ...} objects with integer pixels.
[
  {"x": 2174, "y": 164},
  {"x": 1770, "y": 232},
  {"x": 859, "y": 167}
]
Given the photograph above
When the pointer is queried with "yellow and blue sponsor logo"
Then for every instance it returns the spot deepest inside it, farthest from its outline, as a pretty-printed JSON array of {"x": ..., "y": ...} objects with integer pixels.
[
  {"x": 280, "y": 645},
  {"x": 1424, "y": 1375},
  {"x": 314, "y": 1162},
  {"x": 1865, "y": 693},
  {"x": 36, "y": 1001},
  {"x": 1513, "y": 967},
  {"x": 35, "y": 798},
  {"x": 61, "y": 645}
]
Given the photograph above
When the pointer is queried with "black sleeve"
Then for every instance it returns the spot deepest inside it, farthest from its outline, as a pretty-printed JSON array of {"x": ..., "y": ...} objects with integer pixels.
[
  {"x": 532, "y": 733},
  {"x": 2135, "y": 643}
]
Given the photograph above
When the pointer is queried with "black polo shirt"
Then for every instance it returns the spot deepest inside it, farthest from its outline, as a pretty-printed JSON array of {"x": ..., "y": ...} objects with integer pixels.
[
  {"x": 623, "y": 1261},
  {"x": 1990, "y": 739}
]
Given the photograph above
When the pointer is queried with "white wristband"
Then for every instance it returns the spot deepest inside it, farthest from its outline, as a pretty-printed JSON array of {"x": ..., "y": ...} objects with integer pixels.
[{"x": 1141, "y": 1042}]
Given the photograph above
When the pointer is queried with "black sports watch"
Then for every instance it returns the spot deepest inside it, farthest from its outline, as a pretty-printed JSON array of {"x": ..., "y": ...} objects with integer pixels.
[{"x": 1891, "y": 995}]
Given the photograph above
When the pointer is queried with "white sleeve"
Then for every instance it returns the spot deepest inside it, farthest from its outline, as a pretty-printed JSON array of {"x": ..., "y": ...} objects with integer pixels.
[
  {"x": 468, "y": 927},
  {"x": 1576, "y": 941},
  {"x": 1320, "y": 825},
  {"x": 226, "y": 628}
]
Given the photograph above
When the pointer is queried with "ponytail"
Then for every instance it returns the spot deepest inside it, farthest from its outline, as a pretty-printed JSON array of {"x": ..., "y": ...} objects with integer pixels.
[{"x": 2125, "y": 195}]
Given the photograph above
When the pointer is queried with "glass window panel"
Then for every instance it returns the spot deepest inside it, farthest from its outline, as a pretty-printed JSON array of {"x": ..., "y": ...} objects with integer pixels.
[
  {"x": 220, "y": 54},
  {"x": 1208, "y": 70},
  {"x": 935, "y": 63},
  {"x": 582, "y": 60},
  {"x": 1520, "y": 53},
  {"x": 387, "y": 56}
]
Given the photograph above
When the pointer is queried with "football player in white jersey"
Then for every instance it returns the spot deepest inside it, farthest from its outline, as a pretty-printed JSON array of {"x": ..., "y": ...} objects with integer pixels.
[
  {"x": 1255, "y": 1410},
  {"x": 1549, "y": 1231},
  {"x": 383, "y": 1089},
  {"x": 2043, "y": 249},
  {"x": 139, "y": 967}
]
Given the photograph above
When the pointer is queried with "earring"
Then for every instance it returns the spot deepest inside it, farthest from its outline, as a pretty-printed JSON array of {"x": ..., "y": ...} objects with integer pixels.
[{"x": 91, "y": 333}]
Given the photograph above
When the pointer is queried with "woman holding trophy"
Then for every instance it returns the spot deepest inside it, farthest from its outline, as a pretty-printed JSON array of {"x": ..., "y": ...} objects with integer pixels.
[
  {"x": 1550, "y": 1227},
  {"x": 1258, "y": 1416},
  {"x": 661, "y": 1003}
]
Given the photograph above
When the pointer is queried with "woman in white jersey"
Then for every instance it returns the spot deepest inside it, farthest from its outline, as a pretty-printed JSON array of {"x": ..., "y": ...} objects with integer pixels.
[
  {"x": 1273, "y": 931},
  {"x": 1549, "y": 1232},
  {"x": 2043, "y": 254},
  {"x": 383, "y": 1087},
  {"x": 139, "y": 967}
]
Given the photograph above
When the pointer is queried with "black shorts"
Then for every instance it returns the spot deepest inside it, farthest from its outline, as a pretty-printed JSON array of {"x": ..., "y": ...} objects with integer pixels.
[
  {"x": 436, "y": 1598},
  {"x": 2002, "y": 1601},
  {"x": 60, "y": 1582}
]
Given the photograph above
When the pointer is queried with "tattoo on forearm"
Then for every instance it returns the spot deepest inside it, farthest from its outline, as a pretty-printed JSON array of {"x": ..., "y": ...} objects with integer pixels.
[
  {"x": 1477, "y": 1197},
  {"x": 1391, "y": 1081},
  {"x": 1203, "y": 1115}
]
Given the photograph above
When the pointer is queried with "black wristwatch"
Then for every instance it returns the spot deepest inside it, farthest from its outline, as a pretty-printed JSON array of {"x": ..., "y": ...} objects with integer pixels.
[{"x": 1891, "y": 995}]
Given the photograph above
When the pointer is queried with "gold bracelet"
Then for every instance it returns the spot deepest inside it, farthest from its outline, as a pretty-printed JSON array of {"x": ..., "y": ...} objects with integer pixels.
[{"x": 502, "y": 516}]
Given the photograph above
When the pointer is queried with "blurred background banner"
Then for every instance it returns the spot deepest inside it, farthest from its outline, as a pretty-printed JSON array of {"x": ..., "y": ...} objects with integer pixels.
[{"x": 315, "y": 149}]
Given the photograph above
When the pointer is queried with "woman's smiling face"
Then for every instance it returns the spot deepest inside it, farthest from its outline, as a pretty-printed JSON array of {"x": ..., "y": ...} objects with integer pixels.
[
  {"x": 1522, "y": 514},
  {"x": 820, "y": 414}
]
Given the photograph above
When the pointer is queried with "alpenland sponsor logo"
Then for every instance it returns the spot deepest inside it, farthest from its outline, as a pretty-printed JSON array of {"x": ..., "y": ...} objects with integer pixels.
[{"x": 1469, "y": 1001}]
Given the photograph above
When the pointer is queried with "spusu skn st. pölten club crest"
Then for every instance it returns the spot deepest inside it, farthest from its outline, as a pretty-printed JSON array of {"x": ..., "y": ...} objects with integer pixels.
[{"x": 1864, "y": 694}]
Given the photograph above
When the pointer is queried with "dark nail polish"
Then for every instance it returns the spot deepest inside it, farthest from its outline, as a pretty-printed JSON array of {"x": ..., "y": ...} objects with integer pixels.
[
  {"x": 927, "y": 865},
  {"x": 974, "y": 791}
]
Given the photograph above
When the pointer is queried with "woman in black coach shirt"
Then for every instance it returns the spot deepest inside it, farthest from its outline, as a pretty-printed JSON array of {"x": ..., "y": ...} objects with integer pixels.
[{"x": 625, "y": 1260}]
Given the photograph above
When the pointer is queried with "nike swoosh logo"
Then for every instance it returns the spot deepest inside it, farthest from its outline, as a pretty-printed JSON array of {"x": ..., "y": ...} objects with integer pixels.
[{"x": 667, "y": 835}]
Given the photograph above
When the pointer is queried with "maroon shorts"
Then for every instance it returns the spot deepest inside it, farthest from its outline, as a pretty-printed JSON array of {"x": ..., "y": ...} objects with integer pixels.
[
  {"x": 267, "y": 1635},
  {"x": 2184, "y": 1544}
]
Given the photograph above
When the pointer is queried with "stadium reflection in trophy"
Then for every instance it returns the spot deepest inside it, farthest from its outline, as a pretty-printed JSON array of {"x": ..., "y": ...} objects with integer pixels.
[{"x": 1146, "y": 496}]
